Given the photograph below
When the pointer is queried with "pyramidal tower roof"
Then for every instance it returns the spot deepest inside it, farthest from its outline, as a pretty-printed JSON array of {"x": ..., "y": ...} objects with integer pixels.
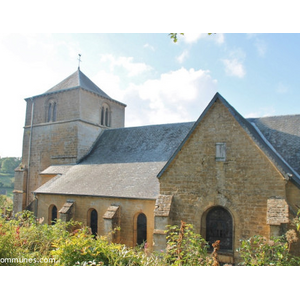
[{"x": 78, "y": 79}]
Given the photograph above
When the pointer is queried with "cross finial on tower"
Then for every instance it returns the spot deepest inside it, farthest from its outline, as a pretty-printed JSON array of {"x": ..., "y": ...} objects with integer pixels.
[{"x": 79, "y": 60}]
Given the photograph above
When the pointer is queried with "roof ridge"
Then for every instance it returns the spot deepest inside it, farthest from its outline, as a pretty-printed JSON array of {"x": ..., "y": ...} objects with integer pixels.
[
  {"x": 276, "y": 116},
  {"x": 151, "y": 125},
  {"x": 79, "y": 72},
  {"x": 58, "y": 84}
]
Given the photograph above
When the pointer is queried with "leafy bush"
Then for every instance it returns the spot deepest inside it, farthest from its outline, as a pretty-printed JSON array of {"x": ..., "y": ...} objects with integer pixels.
[
  {"x": 26, "y": 240},
  {"x": 185, "y": 247},
  {"x": 258, "y": 251},
  {"x": 82, "y": 249},
  {"x": 7, "y": 240}
]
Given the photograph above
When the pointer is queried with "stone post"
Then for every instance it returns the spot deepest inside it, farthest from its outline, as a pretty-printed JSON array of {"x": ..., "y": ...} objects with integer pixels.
[
  {"x": 111, "y": 220},
  {"x": 161, "y": 220},
  {"x": 277, "y": 214},
  {"x": 20, "y": 189},
  {"x": 67, "y": 212}
]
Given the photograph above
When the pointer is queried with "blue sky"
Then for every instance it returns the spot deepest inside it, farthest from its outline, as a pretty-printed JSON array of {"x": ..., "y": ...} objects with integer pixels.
[{"x": 161, "y": 82}]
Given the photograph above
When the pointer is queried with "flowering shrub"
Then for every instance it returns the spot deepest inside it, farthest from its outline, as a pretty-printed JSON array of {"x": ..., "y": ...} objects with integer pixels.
[
  {"x": 259, "y": 251},
  {"x": 185, "y": 247}
]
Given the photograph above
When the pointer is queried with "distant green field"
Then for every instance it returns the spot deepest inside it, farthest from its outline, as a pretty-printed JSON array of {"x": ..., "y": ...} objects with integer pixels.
[{"x": 7, "y": 179}]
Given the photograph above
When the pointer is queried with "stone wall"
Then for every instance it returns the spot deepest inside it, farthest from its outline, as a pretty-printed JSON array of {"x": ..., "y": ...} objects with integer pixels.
[
  {"x": 90, "y": 109},
  {"x": 129, "y": 209}
]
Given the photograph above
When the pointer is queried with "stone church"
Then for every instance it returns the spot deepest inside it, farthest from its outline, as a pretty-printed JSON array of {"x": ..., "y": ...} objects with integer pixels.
[{"x": 230, "y": 177}]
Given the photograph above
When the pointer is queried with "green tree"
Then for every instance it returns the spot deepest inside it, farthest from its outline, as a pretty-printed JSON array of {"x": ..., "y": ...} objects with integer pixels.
[{"x": 9, "y": 164}]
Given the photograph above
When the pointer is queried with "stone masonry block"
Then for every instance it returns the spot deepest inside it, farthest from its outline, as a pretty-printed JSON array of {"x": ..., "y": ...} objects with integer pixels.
[{"x": 277, "y": 212}]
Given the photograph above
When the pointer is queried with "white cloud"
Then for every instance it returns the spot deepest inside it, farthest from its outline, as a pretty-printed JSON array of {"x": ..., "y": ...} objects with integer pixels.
[
  {"x": 133, "y": 68},
  {"x": 262, "y": 112},
  {"x": 181, "y": 58},
  {"x": 109, "y": 82},
  {"x": 148, "y": 46},
  {"x": 261, "y": 47},
  {"x": 14, "y": 88},
  {"x": 259, "y": 43},
  {"x": 177, "y": 96},
  {"x": 234, "y": 67},
  {"x": 193, "y": 37},
  {"x": 219, "y": 38},
  {"x": 190, "y": 38}
]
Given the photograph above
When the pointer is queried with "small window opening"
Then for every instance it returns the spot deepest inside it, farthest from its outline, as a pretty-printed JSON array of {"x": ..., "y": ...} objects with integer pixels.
[
  {"x": 141, "y": 229},
  {"x": 53, "y": 215},
  {"x": 54, "y": 112},
  {"x": 94, "y": 222},
  {"x": 106, "y": 117},
  {"x": 49, "y": 112},
  {"x": 102, "y": 116},
  {"x": 220, "y": 151}
]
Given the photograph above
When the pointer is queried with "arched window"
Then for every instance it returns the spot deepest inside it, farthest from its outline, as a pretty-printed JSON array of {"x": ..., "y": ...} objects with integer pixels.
[
  {"x": 105, "y": 115},
  {"x": 219, "y": 227},
  {"x": 54, "y": 112},
  {"x": 102, "y": 116},
  {"x": 94, "y": 221},
  {"x": 53, "y": 212},
  {"x": 141, "y": 229},
  {"x": 49, "y": 112}
]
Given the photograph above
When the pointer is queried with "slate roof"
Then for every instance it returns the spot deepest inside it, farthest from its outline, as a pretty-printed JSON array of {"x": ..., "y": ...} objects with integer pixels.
[
  {"x": 78, "y": 80},
  {"x": 153, "y": 143},
  {"x": 283, "y": 132},
  {"x": 132, "y": 180},
  {"x": 123, "y": 163}
]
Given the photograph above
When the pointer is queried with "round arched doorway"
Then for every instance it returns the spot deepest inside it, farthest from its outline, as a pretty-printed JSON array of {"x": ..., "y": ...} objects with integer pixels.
[
  {"x": 219, "y": 226},
  {"x": 52, "y": 214}
]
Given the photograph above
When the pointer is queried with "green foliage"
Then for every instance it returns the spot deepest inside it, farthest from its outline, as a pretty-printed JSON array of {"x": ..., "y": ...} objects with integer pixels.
[
  {"x": 26, "y": 241},
  {"x": 297, "y": 221},
  {"x": 185, "y": 247},
  {"x": 6, "y": 205},
  {"x": 258, "y": 251},
  {"x": 82, "y": 249},
  {"x": 174, "y": 37},
  {"x": 8, "y": 164},
  {"x": 7, "y": 240},
  {"x": 7, "y": 181}
]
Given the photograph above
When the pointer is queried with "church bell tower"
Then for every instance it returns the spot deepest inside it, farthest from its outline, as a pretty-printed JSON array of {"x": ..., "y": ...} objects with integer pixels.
[{"x": 61, "y": 126}]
